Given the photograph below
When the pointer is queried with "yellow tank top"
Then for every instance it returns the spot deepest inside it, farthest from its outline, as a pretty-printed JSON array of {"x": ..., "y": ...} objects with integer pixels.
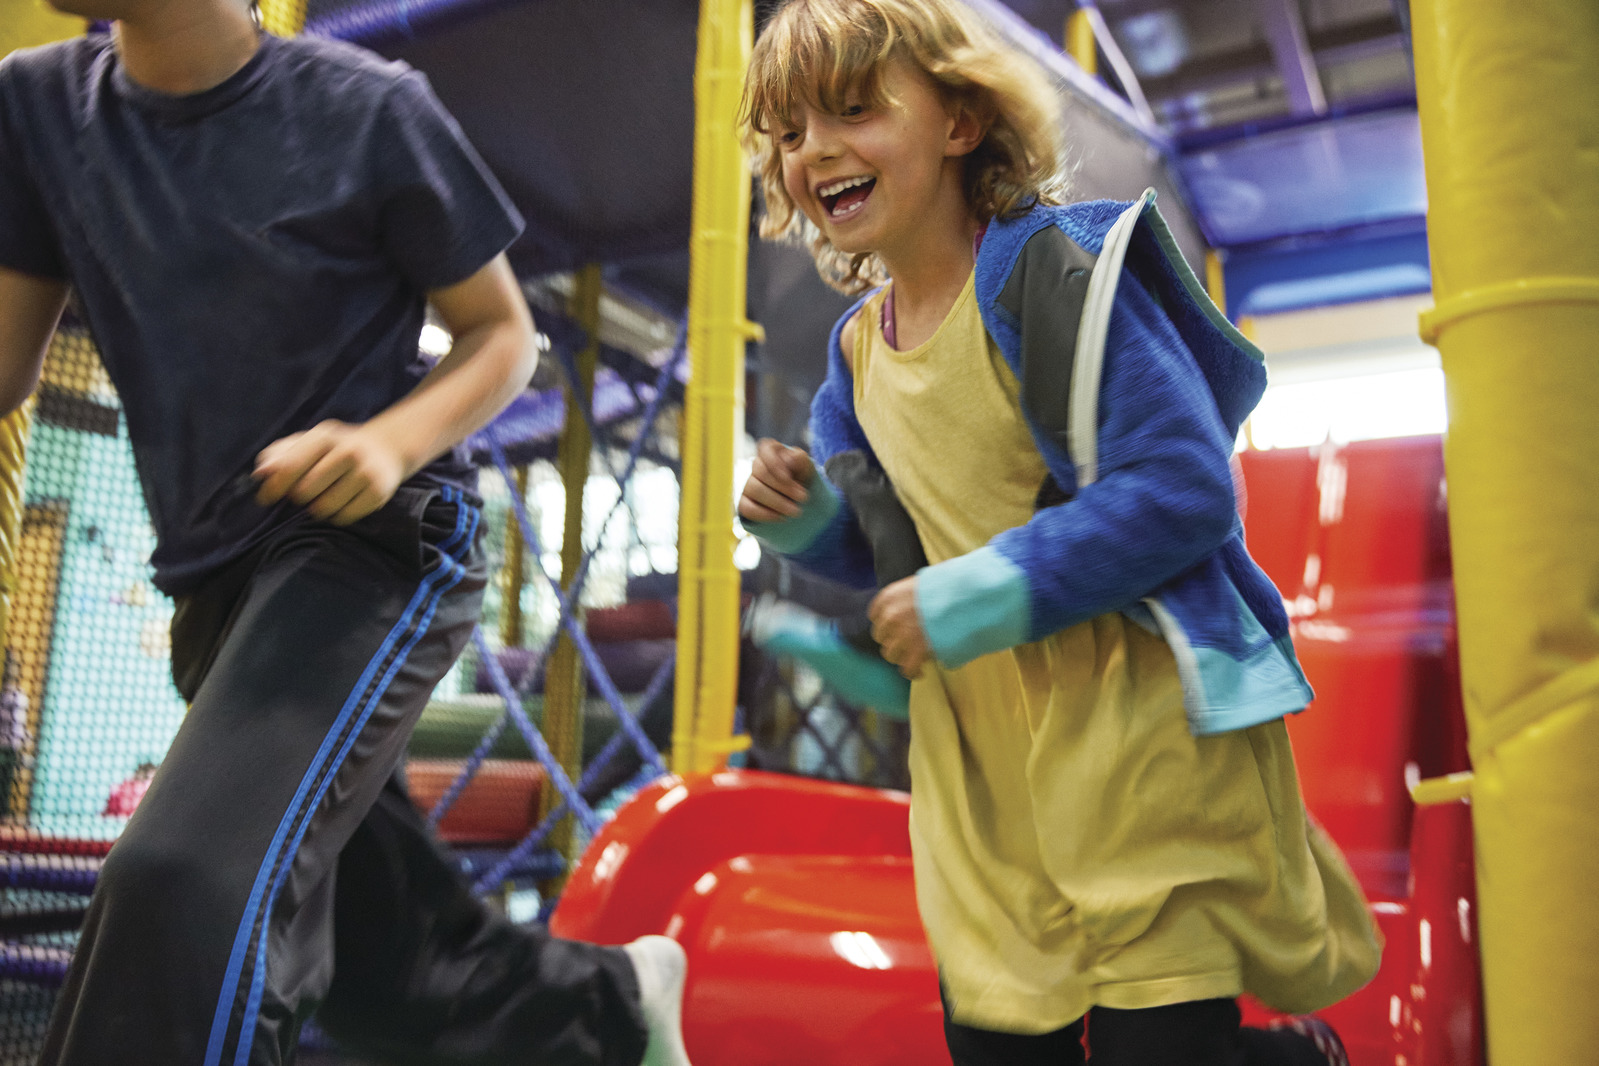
[
  {"x": 1074, "y": 844},
  {"x": 961, "y": 457}
]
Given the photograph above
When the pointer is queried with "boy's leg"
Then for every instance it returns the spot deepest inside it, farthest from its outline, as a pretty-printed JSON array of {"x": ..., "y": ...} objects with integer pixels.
[
  {"x": 211, "y": 931},
  {"x": 427, "y": 974}
]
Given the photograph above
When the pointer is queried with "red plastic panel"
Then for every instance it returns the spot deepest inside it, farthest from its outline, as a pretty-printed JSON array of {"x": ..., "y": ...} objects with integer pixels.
[
  {"x": 1278, "y": 504},
  {"x": 1425, "y": 1006},
  {"x": 675, "y": 830},
  {"x": 805, "y": 959},
  {"x": 1356, "y": 538}
]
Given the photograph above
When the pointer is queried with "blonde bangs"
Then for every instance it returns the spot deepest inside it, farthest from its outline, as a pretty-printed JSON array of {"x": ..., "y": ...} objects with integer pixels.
[
  {"x": 812, "y": 61},
  {"x": 816, "y": 51}
]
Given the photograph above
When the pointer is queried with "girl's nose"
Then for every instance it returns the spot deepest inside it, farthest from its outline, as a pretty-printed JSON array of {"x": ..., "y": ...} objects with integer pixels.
[{"x": 821, "y": 144}]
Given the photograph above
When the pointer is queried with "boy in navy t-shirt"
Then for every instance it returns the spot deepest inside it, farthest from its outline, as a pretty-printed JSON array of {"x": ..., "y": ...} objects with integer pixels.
[{"x": 254, "y": 228}]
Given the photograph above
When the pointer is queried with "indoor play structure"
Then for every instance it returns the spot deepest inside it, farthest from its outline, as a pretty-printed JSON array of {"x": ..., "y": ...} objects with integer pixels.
[{"x": 1441, "y": 589}]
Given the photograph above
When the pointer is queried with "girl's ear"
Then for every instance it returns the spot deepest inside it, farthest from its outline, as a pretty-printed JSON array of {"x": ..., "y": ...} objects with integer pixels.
[{"x": 967, "y": 129}]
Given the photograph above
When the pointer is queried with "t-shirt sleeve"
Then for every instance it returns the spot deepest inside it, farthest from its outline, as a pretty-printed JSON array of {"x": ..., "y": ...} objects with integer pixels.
[
  {"x": 28, "y": 240},
  {"x": 443, "y": 215}
]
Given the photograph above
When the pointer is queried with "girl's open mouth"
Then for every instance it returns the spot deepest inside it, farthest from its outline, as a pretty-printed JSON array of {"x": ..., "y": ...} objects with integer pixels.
[{"x": 844, "y": 197}]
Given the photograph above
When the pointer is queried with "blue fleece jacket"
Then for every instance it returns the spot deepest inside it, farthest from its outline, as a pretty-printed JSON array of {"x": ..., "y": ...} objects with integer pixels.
[{"x": 1159, "y": 384}]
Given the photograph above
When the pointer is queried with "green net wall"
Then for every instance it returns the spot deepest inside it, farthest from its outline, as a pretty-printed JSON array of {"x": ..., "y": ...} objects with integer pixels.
[{"x": 87, "y": 707}]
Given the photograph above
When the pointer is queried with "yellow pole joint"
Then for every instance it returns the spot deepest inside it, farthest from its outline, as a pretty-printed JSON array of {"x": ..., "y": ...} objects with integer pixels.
[
  {"x": 1501, "y": 295},
  {"x": 1509, "y": 125},
  {"x": 1439, "y": 790}
]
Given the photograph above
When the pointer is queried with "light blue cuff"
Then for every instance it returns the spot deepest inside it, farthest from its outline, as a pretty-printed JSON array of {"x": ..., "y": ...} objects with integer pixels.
[
  {"x": 790, "y": 536},
  {"x": 1242, "y": 694},
  {"x": 973, "y": 604},
  {"x": 1221, "y": 693}
]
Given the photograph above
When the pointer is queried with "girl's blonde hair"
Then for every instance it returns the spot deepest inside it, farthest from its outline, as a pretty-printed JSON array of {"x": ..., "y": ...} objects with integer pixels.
[{"x": 817, "y": 51}]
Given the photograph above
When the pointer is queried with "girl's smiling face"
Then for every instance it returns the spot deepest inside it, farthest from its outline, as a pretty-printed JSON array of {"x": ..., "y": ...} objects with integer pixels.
[{"x": 871, "y": 177}]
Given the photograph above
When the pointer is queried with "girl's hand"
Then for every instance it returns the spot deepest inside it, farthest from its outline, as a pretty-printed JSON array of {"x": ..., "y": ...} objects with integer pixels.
[
  {"x": 776, "y": 487},
  {"x": 338, "y": 472},
  {"x": 897, "y": 627}
]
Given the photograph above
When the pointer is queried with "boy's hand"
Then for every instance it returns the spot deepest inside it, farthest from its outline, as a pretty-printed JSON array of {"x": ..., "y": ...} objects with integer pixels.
[
  {"x": 338, "y": 472},
  {"x": 897, "y": 627},
  {"x": 776, "y": 487}
]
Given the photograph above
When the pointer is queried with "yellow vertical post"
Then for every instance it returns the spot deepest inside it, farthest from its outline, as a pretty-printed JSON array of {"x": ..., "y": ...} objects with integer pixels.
[
  {"x": 707, "y": 649},
  {"x": 563, "y": 675},
  {"x": 1080, "y": 41},
  {"x": 283, "y": 18},
  {"x": 1510, "y": 121},
  {"x": 1216, "y": 279},
  {"x": 32, "y": 24},
  {"x": 28, "y": 23},
  {"x": 514, "y": 576},
  {"x": 14, "y": 430},
  {"x": 1216, "y": 287}
]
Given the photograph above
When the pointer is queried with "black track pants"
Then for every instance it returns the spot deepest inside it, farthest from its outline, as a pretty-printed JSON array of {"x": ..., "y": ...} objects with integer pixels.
[
  {"x": 276, "y": 865},
  {"x": 1201, "y": 1033}
]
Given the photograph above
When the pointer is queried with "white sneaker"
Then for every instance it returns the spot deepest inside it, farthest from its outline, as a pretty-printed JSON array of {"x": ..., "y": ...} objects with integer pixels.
[{"x": 661, "y": 966}]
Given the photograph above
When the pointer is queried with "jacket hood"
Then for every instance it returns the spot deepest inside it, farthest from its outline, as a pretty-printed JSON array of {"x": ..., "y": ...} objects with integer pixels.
[{"x": 1234, "y": 368}]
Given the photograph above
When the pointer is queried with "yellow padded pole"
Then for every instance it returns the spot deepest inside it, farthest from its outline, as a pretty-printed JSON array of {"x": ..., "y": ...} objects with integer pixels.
[
  {"x": 708, "y": 588},
  {"x": 1510, "y": 125}
]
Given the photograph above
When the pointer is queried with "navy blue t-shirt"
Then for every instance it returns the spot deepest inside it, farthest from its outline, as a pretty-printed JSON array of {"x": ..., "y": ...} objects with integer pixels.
[{"x": 251, "y": 260}]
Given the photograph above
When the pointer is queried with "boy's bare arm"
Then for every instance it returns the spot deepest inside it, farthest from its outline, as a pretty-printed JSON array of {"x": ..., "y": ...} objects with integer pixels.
[
  {"x": 341, "y": 472},
  {"x": 30, "y": 307}
]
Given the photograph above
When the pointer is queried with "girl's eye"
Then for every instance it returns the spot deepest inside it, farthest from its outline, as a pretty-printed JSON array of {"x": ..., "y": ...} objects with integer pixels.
[
  {"x": 854, "y": 111},
  {"x": 788, "y": 137}
]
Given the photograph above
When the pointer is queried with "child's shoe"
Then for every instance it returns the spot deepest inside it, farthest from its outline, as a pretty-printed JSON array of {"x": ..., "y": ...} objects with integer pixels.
[
  {"x": 865, "y": 680},
  {"x": 1318, "y": 1032},
  {"x": 661, "y": 966}
]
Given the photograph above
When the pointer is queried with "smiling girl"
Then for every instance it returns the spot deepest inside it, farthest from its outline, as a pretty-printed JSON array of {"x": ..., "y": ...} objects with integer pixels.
[{"x": 1106, "y": 821}]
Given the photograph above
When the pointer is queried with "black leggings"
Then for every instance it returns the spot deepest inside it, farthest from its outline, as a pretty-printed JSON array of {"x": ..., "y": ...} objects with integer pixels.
[{"x": 1202, "y": 1033}]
